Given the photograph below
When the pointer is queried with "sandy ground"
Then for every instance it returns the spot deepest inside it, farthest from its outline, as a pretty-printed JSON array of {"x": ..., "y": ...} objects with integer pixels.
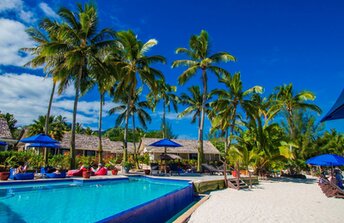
[{"x": 280, "y": 200}]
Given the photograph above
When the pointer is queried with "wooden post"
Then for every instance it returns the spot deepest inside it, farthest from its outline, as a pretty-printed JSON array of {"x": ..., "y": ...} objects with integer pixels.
[
  {"x": 249, "y": 175},
  {"x": 238, "y": 175}
]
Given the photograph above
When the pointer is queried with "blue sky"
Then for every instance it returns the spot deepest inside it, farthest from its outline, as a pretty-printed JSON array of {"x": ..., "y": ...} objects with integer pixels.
[{"x": 275, "y": 43}]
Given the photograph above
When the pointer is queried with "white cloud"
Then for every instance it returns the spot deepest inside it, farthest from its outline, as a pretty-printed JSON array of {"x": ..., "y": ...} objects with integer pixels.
[
  {"x": 19, "y": 8},
  {"x": 6, "y": 5},
  {"x": 27, "y": 96},
  {"x": 12, "y": 38},
  {"x": 171, "y": 115},
  {"x": 48, "y": 11}
]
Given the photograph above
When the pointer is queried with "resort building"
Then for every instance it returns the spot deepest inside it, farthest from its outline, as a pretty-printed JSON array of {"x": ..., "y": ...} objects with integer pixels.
[
  {"x": 88, "y": 145},
  {"x": 187, "y": 151},
  {"x": 5, "y": 135}
]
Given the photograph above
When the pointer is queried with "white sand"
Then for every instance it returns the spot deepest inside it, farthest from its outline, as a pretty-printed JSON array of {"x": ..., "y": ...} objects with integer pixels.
[{"x": 271, "y": 201}]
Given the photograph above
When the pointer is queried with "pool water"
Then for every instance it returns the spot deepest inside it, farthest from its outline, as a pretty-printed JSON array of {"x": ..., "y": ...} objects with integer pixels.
[{"x": 71, "y": 201}]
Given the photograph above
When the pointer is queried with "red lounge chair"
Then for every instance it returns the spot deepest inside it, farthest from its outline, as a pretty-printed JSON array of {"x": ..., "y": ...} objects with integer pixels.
[
  {"x": 101, "y": 172},
  {"x": 74, "y": 173}
]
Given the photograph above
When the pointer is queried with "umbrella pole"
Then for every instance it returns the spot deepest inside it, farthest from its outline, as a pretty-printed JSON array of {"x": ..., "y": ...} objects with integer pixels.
[{"x": 165, "y": 161}]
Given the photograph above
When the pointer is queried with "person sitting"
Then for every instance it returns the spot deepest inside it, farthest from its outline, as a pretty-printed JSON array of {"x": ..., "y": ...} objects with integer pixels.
[
  {"x": 21, "y": 168},
  {"x": 339, "y": 177},
  {"x": 57, "y": 171},
  {"x": 101, "y": 170}
]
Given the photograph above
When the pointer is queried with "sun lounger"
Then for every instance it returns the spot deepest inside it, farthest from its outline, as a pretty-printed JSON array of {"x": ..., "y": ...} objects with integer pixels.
[
  {"x": 154, "y": 169},
  {"x": 101, "y": 172},
  {"x": 75, "y": 173},
  {"x": 330, "y": 189},
  {"x": 56, "y": 175},
  {"x": 175, "y": 169},
  {"x": 20, "y": 176},
  {"x": 211, "y": 169}
]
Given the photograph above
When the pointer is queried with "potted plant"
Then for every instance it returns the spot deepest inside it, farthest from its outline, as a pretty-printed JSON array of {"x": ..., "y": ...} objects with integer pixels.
[
  {"x": 111, "y": 166},
  {"x": 87, "y": 162},
  {"x": 127, "y": 165},
  {"x": 5, "y": 168}
]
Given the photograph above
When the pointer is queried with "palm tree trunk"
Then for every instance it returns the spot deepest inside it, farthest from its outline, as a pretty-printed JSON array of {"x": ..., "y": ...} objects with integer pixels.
[
  {"x": 100, "y": 149},
  {"x": 164, "y": 135},
  {"x": 230, "y": 140},
  {"x": 46, "y": 129},
  {"x": 72, "y": 141},
  {"x": 200, "y": 131},
  {"x": 225, "y": 162},
  {"x": 134, "y": 142},
  {"x": 125, "y": 151}
]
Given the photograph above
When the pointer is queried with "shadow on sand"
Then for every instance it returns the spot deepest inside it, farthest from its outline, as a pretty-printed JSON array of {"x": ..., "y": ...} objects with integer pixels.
[{"x": 293, "y": 180}]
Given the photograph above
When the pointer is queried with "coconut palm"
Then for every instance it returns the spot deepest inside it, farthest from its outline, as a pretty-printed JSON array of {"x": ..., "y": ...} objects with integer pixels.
[
  {"x": 228, "y": 102},
  {"x": 57, "y": 126},
  {"x": 134, "y": 65},
  {"x": 164, "y": 93},
  {"x": 42, "y": 38},
  {"x": 137, "y": 107},
  {"x": 286, "y": 101},
  {"x": 194, "y": 107},
  {"x": 104, "y": 76},
  {"x": 201, "y": 60},
  {"x": 78, "y": 42}
]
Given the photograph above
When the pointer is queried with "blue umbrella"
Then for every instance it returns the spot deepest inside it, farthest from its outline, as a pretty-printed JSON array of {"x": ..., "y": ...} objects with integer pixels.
[
  {"x": 165, "y": 143},
  {"x": 40, "y": 138},
  {"x": 3, "y": 143},
  {"x": 337, "y": 110},
  {"x": 48, "y": 145},
  {"x": 326, "y": 160}
]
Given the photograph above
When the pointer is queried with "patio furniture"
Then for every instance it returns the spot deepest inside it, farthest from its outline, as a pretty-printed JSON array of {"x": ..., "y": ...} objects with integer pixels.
[
  {"x": 20, "y": 176},
  {"x": 211, "y": 169}
]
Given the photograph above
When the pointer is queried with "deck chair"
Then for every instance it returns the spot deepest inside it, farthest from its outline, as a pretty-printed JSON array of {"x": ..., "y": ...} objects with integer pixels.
[
  {"x": 211, "y": 169},
  {"x": 330, "y": 189},
  {"x": 154, "y": 169}
]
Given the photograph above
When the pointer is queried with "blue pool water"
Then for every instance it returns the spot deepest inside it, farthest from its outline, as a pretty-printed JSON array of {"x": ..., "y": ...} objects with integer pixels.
[{"x": 78, "y": 201}]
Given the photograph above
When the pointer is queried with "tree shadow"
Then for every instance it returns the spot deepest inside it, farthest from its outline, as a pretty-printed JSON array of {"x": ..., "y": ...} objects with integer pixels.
[
  {"x": 292, "y": 180},
  {"x": 8, "y": 215}
]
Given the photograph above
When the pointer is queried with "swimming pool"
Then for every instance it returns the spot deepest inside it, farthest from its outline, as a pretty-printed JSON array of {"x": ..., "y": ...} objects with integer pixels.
[{"x": 138, "y": 199}]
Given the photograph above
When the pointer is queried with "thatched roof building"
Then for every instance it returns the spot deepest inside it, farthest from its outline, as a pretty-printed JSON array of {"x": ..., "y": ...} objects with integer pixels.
[
  {"x": 90, "y": 143},
  {"x": 187, "y": 151},
  {"x": 5, "y": 132},
  {"x": 188, "y": 146}
]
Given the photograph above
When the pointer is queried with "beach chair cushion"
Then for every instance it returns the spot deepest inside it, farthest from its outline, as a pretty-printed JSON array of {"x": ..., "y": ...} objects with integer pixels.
[{"x": 101, "y": 172}]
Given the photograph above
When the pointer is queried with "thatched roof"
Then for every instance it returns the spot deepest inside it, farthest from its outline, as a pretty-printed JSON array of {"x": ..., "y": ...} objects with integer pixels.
[
  {"x": 189, "y": 146},
  {"x": 4, "y": 129},
  {"x": 90, "y": 142}
]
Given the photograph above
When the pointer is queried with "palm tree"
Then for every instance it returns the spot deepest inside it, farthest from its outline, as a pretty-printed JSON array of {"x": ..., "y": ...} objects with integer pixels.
[
  {"x": 79, "y": 43},
  {"x": 133, "y": 66},
  {"x": 137, "y": 107},
  {"x": 227, "y": 104},
  {"x": 287, "y": 101},
  {"x": 164, "y": 93},
  {"x": 200, "y": 59},
  {"x": 105, "y": 80},
  {"x": 194, "y": 106},
  {"x": 57, "y": 125},
  {"x": 50, "y": 62}
]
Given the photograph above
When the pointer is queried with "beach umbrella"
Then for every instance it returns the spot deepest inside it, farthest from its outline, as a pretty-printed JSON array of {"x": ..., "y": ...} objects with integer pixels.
[
  {"x": 337, "y": 110},
  {"x": 326, "y": 160},
  {"x": 40, "y": 138},
  {"x": 3, "y": 143},
  {"x": 165, "y": 143}
]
